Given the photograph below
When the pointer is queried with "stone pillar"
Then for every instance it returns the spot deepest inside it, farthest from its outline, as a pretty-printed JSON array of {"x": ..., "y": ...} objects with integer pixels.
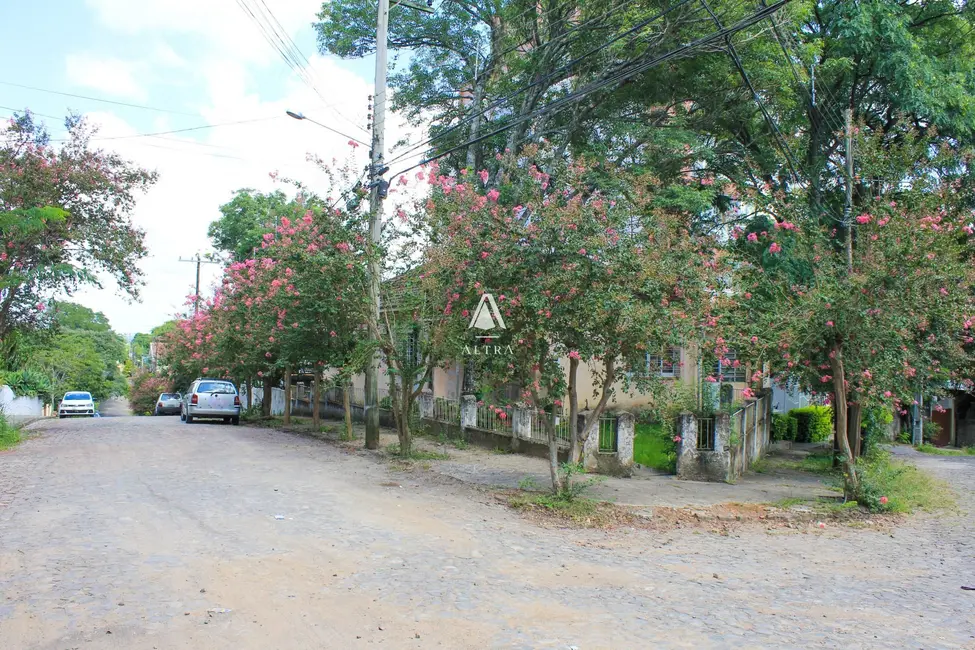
[
  {"x": 425, "y": 400},
  {"x": 590, "y": 448},
  {"x": 626, "y": 429},
  {"x": 468, "y": 412},
  {"x": 687, "y": 447}
]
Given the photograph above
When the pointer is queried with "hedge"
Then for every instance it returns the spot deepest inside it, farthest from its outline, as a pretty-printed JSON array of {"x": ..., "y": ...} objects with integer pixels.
[
  {"x": 813, "y": 423},
  {"x": 784, "y": 426}
]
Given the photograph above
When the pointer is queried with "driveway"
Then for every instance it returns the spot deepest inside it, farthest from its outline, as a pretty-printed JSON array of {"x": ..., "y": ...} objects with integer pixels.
[{"x": 140, "y": 533}]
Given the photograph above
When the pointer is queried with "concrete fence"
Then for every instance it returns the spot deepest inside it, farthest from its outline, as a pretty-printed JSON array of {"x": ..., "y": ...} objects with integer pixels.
[
  {"x": 722, "y": 446},
  {"x": 20, "y": 408}
]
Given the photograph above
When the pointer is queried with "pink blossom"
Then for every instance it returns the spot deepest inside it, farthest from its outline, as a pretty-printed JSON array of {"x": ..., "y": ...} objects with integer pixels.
[
  {"x": 484, "y": 175},
  {"x": 863, "y": 218},
  {"x": 884, "y": 500},
  {"x": 332, "y": 333},
  {"x": 754, "y": 339},
  {"x": 493, "y": 195},
  {"x": 825, "y": 379},
  {"x": 774, "y": 248},
  {"x": 353, "y": 144},
  {"x": 677, "y": 439},
  {"x": 829, "y": 323},
  {"x": 752, "y": 237},
  {"x": 887, "y": 393},
  {"x": 484, "y": 255},
  {"x": 39, "y": 306},
  {"x": 574, "y": 354}
]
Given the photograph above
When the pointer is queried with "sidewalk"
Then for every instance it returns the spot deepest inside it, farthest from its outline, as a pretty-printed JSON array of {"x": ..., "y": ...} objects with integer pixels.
[{"x": 480, "y": 466}]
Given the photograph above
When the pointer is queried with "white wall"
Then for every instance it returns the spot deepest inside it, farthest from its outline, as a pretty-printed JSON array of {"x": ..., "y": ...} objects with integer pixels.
[{"x": 20, "y": 406}]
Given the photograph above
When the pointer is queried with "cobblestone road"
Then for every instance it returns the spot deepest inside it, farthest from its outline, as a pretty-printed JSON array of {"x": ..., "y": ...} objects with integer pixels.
[{"x": 144, "y": 533}]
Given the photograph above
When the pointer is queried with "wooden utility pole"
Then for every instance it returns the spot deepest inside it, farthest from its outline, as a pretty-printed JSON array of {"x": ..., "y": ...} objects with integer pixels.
[
  {"x": 378, "y": 188},
  {"x": 848, "y": 206},
  {"x": 198, "y": 261}
]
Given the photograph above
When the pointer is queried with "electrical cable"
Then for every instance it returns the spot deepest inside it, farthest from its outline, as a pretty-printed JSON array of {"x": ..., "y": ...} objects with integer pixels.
[
  {"x": 556, "y": 73},
  {"x": 97, "y": 99},
  {"x": 621, "y": 73}
]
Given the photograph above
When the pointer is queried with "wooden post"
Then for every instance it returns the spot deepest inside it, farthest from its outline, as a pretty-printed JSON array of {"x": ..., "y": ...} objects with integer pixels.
[
  {"x": 287, "y": 395},
  {"x": 317, "y": 397},
  {"x": 348, "y": 411}
]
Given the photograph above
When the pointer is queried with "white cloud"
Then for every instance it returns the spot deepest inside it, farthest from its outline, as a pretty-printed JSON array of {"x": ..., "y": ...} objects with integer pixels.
[
  {"x": 108, "y": 75},
  {"x": 198, "y": 171}
]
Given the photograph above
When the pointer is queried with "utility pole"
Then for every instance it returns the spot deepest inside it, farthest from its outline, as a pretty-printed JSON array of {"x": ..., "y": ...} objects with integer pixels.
[
  {"x": 848, "y": 207},
  {"x": 378, "y": 188},
  {"x": 377, "y": 193},
  {"x": 198, "y": 261}
]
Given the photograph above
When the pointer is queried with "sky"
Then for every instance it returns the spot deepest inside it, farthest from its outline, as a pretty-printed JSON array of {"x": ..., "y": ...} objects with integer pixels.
[{"x": 185, "y": 64}]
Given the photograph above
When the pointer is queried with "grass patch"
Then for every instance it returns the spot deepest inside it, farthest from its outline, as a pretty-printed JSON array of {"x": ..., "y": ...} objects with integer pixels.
[
  {"x": 416, "y": 454},
  {"x": 579, "y": 510},
  {"x": 9, "y": 434},
  {"x": 821, "y": 463},
  {"x": 888, "y": 485},
  {"x": 654, "y": 447},
  {"x": 928, "y": 448}
]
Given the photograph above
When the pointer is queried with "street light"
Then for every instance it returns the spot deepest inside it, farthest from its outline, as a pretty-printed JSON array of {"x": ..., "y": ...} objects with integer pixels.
[{"x": 302, "y": 116}]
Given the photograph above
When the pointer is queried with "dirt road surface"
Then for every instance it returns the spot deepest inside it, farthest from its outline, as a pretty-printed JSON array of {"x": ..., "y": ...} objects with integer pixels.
[{"x": 134, "y": 533}]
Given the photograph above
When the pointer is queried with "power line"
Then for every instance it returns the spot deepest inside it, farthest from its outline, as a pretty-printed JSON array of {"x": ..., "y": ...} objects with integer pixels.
[
  {"x": 98, "y": 99},
  {"x": 276, "y": 36},
  {"x": 552, "y": 75},
  {"x": 192, "y": 128},
  {"x": 733, "y": 53},
  {"x": 621, "y": 73}
]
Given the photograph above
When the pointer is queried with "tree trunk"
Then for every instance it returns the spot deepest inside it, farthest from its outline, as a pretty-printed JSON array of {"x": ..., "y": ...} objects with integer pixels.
[
  {"x": 403, "y": 423},
  {"x": 347, "y": 406},
  {"x": 250, "y": 392},
  {"x": 553, "y": 455},
  {"x": 839, "y": 389},
  {"x": 287, "y": 396},
  {"x": 268, "y": 388},
  {"x": 855, "y": 415},
  {"x": 574, "y": 446},
  {"x": 316, "y": 410}
]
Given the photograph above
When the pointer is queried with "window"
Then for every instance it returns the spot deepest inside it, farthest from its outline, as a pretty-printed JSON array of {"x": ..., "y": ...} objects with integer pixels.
[
  {"x": 729, "y": 368},
  {"x": 413, "y": 348},
  {"x": 219, "y": 387},
  {"x": 666, "y": 365},
  {"x": 72, "y": 397}
]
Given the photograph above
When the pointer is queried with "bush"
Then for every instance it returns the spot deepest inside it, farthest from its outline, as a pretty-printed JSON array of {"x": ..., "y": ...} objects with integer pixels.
[
  {"x": 9, "y": 434},
  {"x": 813, "y": 423},
  {"x": 887, "y": 485},
  {"x": 145, "y": 390},
  {"x": 27, "y": 383},
  {"x": 930, "y": 431},
  {"x": 784, "y": 426}
]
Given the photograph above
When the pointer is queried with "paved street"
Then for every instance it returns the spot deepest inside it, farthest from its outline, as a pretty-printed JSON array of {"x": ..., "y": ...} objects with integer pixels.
[{"x": 136, "y": 533}]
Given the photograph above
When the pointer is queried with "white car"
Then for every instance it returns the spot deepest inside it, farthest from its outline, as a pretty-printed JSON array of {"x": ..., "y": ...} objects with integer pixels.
[{"x": 76, "y": 403}]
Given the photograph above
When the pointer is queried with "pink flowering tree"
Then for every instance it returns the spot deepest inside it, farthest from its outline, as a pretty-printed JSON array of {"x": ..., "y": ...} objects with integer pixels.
[
  {"x": 582, "y": 266},
  {"x": 897, "y": 321},
  {"x": 64, "y": 217}
]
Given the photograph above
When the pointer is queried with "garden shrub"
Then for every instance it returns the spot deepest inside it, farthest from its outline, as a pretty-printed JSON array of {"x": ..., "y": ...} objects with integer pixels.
[
  {"x": 654, "y": 446},
  {"x": 888, "y": 485},
  {"x": 813, "y": 423},
  {"x": 146, "y": 388},
  {"x": 784, "y": 426}
]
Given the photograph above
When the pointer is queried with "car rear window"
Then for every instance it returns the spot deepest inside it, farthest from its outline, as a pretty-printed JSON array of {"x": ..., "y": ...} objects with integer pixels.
[
  {"x": 77, "y": 396},
  {"x": 215, "y": 387},
  {"x": 169, "y": 396}
]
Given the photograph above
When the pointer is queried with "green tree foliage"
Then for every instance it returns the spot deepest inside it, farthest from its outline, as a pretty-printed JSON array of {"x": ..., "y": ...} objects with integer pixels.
[
  {"x": 244, "y": 220},
  {"x": 64, "y": 217},
  {"x": 872, "y": 322}
]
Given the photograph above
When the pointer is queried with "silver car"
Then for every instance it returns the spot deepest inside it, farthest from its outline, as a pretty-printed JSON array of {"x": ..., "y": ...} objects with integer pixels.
[
  {"x": 211, "y": 399},
  {"x": 76, "y": 403},
  {"x": 168, "y": 404}
]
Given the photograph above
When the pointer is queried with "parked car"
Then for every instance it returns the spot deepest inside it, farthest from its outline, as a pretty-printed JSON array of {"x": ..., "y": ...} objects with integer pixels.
[
  {"x": 76, "y": 403},
  {"x": 210, "y": 399},
  {"x": 168, "y": 404}
]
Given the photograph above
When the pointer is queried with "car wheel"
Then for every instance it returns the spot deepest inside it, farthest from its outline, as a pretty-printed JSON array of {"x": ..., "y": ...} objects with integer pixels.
[
  {"x": 235, "y": 421},
  {"x": 189, "y": 419}
]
